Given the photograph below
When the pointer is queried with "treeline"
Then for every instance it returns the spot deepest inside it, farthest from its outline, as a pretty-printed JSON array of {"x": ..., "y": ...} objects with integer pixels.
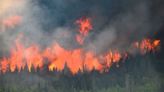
[{"x": 136, "y": 74}]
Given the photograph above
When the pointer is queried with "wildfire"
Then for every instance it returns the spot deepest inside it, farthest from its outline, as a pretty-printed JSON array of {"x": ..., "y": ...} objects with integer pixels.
[
  {"x": 147, "y": 45},
  {"x": 58, "y": 58},
  {"x": 84, "y": 27}
]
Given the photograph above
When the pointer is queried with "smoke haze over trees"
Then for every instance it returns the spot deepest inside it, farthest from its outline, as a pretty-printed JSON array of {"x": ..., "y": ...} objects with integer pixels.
[{"x": 116, "y": 24}]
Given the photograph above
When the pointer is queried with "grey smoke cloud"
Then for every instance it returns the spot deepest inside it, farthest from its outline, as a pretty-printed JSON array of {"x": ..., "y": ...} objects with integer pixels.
[{"x": 116, "y": 23}]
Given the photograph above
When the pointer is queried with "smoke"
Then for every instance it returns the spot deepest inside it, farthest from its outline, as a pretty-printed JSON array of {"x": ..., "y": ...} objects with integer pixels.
[
  {"x": 116, "y": 23},
  {"x": 44, "y": 22},
  {"x": 18, "y": 17}
]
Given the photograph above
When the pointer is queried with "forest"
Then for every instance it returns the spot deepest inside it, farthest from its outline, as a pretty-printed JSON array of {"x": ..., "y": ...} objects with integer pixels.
[{"x": 136, "y": 74}]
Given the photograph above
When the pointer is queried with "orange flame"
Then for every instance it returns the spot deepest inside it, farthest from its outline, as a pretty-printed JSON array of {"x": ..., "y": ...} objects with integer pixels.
[
  {"x": 147, "y": 45},
  {"x": 4, "y": 65},
  {"x": 76, "y": 60},
  {"x": 84, "y": 27},
  {"x": 58, "y": 58}
]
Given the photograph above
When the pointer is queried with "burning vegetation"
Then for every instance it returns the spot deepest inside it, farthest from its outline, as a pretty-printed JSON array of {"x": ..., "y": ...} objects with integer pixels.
[
  {"x": 56, "y": 57},
  {"x": 81, "y": 46}
]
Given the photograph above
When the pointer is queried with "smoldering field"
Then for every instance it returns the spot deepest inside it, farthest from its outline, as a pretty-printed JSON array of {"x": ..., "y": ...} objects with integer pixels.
[{"x": 116, "y": 24}]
